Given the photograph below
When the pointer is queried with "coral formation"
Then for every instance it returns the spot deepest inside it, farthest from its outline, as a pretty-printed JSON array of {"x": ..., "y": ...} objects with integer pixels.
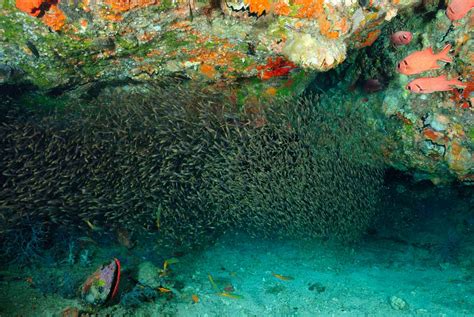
[
  {"x": 148, "y": 275},
  {"x": 155, "y": 38},
  {"x": 47, "y": 11},
  {"x": 318, "y": 53}
]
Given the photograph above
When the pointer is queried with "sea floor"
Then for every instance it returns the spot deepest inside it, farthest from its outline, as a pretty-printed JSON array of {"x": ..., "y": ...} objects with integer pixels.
[
  {"x": 292, "y": 278},
  {"x": 422, "y": 268}
]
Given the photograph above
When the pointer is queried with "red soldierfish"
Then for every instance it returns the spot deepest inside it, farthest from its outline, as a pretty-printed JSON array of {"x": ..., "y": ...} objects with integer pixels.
[
  {"x": 401, "y": 38},
  {"x": 428, "y": 85},
  {"x": 421, "y": 61},
  {"x": 457, "y": 9}
]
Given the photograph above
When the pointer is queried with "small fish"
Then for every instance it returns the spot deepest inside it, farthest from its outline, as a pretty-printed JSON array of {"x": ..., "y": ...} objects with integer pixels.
[
  {"x": 33, "y": 48},
  {"x": 211, "y": 280},
  {"x": 195, "y": 298},
  {"x": 372, "y": 85},
  {"x": 164, "y": 289},
  {"x": 168, "y": 262},
  {"x": 234, "y": 296},
  {"x": 428, "y": 85},
  {"x": 283, "y": 277},
  {"x": 229, "y": 288},
  {"x": 457, "y": 9},
  {"x": 421, "y": 61},
  {"x": 93, "y": 227},
  {"x": 86, "y": 239},
  {"x": 401, "y": 38}
]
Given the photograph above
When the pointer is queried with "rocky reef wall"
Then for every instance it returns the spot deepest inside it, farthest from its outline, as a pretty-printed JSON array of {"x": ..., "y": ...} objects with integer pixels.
[{"x": 256, "y": 50}]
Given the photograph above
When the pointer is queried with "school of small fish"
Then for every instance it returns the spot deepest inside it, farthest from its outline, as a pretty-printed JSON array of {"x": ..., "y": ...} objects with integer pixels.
[{"x": 425, "y": 60}]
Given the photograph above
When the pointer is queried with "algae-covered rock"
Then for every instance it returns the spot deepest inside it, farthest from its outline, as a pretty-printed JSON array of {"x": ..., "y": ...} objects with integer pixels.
[
  {"x": 149, "y": 275},
  {"x": 432, "y": 138},
  {"x": 258, "y": 50},
  {"x": 71, "y": 43}
]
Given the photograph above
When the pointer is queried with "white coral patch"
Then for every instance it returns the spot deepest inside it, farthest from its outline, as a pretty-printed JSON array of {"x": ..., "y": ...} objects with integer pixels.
[
  {"x": 391, "y": 14},
  {"x": 346, "y": 3},
  {"x": 320, "y": 54},
  {"x": 335, "y": 2},
  {"x": 357, "y": 19}
]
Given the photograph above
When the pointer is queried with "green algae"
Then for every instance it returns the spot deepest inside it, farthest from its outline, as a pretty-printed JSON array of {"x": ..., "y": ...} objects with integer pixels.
[
  {"x": 36, "y": 101},
  {"x": 12, "y": 28},
  {"x": 7, "y": 4},
  {"x": 471, "y": 134},
  {"x": 165, "y": 5},
  {"x": 172, "y": 40}
]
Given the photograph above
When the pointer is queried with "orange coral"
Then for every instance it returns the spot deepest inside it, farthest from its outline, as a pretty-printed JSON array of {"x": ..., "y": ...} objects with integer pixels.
[
  {"x": 281, "y": 8},
  {"x": 325, "y": 28},
  {"x": 85, "y": 5},
  {"x": 463, "y": 99},
  {"x": 309, "y": 8},
  {"x": 47, "y": 10},
  {"x": 126, "y": 5},
  {"x": 272, "y": 91},
  {"x": 54, "y": 18},
  {"x": 371, "y": 38},
  {"x": 32, "y": 7},
  {"x": 83, "y": 23},
  {"x": 314, "y": 9},
  {"x": 208, "y": 70},
  {"x": 434, "y": 135},
  {"x": 258, "y": 6}
]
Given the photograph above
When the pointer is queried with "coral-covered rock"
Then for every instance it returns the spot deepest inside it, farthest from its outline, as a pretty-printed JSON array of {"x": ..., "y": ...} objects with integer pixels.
[
  {"x": 148, "y": 275},
  {"x": 227, "y": 42},
  {"x": 31, "y": 7},
  {"x": 156, "y": 38},
  {"x": 54, "y": 18}
]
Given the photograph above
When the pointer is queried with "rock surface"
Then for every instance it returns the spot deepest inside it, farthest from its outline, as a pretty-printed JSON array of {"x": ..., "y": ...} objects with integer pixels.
[
  {"x": 259, "y": 49},
  {"x": 148, "y": 275}
]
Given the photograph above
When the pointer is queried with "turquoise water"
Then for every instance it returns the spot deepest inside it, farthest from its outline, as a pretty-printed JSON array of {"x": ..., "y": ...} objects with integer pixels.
[{"x": 420, "y": 265}]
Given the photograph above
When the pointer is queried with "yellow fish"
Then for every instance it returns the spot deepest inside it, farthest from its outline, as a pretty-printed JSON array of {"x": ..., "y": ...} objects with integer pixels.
[
  {"x": 229, "y": 295},
  {"x": 93, "y": 227},
  {"x": 166, "y": 264},
  {"x": 214, "y": 285},
  {"x": 164, "y": 290},
  {"x": 283, "y": 277},
  {"x": 170, "y": 261}
]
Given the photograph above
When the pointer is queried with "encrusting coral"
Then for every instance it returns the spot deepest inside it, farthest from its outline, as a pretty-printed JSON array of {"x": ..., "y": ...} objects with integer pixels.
[{"x": 48, "y": 11}]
